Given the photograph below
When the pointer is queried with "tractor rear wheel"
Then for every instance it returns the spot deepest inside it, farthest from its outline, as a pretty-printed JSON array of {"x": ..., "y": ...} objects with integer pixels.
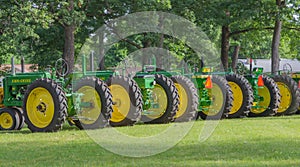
[
  {"x": 221, "y": 96},
  {"x": 96, "y": 103},
  {"x": 270, "y": 99},
  {"x": 127, "y": 101},
  {"x": 188, "y": 99},
  {"x": 9, "y": 119},
  {"x": 290, "y": 95},
  {"x": 166, "y": 100},
  {"x": 44, "y": 106},
  {"x": 242, "y": 95}
]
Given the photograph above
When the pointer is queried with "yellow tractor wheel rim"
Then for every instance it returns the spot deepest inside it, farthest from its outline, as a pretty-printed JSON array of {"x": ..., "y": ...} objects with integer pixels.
[
  {"x": 160, "y": 100},
  {"x": 237, "y": 97},
  {"x": 89, "y": 115},
  {"x": 217, "y": 97},
  {"x": 183, "y": 100},
  {"x": 121, "y": 101},
  {"x": 6, "y": 120},
  {"x": 40, "y": 107},
  {"x": 286, "y": 97},
  {"x": 264, "y": 104}
]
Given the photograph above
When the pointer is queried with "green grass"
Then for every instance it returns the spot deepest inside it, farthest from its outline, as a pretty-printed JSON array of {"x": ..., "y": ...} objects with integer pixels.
[{"x": 273, "y": 141}]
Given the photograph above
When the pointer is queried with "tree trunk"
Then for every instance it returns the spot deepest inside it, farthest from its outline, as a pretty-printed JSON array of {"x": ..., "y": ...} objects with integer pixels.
[
  {"x": 101, "y": 65},
  {"x": 147, "y": 60},
  {"x": 225, "y": 46},
  {"x": 235, "y": 57},
  {"x": 276, "y": 40},
  {"x": 69, "y": 48},
  {"x": 275, "y": 47},
  {"x": 159, "y": 58}
]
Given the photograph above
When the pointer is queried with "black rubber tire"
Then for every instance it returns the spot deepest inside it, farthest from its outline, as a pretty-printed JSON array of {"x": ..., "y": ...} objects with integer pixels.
[
  {"x": 294, "y": 93},
  {"x": 227, "y": 96},
  {"x": 21, "y": 118},
  {"x": 135, "y": 96},
  {"x": 191, "y": 109},
  {"x": 274, "y": 100},
  {"x": 106, "y": 100},
  {"x": 60, "y": 105},
  {"x": 243, "y": 84},
  {"x": 172, "y": 99},
  {"x": 14, "y": 116}
]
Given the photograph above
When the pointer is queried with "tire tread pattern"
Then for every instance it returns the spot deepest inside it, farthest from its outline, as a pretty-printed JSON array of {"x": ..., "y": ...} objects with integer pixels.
[
  {"x": 247, "y": 91},
  {"x": 60, "y": 102}
]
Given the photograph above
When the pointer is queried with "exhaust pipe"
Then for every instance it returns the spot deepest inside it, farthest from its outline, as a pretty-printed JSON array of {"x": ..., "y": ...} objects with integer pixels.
[
  {"x": 22, "y": 65},
  {"x": 13, "y": 71},
  {"x": 92, "y": 61}
]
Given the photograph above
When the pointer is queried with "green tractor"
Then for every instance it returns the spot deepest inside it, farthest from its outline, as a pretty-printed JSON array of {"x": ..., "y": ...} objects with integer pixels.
[
  {"x": 127, "y": 102},
  {"x": 261, "y": 94},
  {"x": 160, "y": 96},
  {"x": 287, "y": 88},
  {"x": 144, "y": 97},
  {"x": 291, "y": 88},
  {"x": 215, "y": 95},
  {"x": 44, "y": 100},
  {"x": 201, "y": 94}
]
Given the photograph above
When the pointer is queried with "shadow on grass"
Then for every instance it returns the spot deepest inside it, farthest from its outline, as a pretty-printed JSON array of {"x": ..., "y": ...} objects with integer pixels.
[
  {"x": 277, "y": 117},
  {"x": 25, "y": 130},
  {"x": 258, "y": 152}
]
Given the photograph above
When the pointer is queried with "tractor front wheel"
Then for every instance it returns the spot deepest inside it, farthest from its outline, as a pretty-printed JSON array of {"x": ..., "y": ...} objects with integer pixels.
[
  {"x": 21, "y": 117},
  {"x": 9, "y": 119}
]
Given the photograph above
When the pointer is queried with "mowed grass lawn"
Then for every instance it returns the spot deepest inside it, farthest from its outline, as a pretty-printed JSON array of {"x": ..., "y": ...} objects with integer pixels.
[{"x": 272, "y": 141}]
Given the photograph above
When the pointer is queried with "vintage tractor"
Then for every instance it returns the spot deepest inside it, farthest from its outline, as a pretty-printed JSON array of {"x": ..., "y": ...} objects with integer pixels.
[
  {"x": 126, "y": 94},
  {"x": 160, "y": 95},
  {"x": 255, "y": 94},
  {"x": 289, "y": 82},
  {"x": 201, "y": 94},
  {"x": 215, "y": 95},
  {"x": 46, "y": 99}
]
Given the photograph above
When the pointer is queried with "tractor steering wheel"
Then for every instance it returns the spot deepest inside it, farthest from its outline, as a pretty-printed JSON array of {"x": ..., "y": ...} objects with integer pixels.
[
  {"x": 287, "y": 68},
  {"x": 61, "y": 67},
  {"x": 240, "y": 68}
]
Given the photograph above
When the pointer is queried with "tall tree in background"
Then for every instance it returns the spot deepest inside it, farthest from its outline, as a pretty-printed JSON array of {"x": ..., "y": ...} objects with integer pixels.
[
  {"x": 46, "y": 30},
  {"x": 276, "y": 38},
  {"x": 234, "y": 17},
  {"x": 69, "y": 14},
  {"x": 69, "y": 47},
  {"x": 19, "y": 21},
  {"x": 225, "y": 44}
]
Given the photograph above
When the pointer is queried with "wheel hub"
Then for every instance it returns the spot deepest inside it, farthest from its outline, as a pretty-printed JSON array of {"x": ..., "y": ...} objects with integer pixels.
[
  {"x": 41, "y": 107},
  {"x": 117, "y": 102}
]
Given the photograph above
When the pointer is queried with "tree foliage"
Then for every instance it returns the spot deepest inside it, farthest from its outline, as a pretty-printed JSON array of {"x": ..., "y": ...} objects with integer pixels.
[{"x": 40, "y": 30}]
